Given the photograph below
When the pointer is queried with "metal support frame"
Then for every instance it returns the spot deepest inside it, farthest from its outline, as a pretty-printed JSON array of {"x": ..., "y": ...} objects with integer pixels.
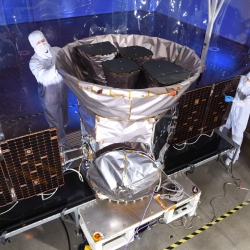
[
  {"x": 120, "y": 219},
  {"x": 2, "y": 137},
  {"x": 213, "y": 11},
  {"x": 6, "y": 235},
  {"x": 226, "y": 138}
]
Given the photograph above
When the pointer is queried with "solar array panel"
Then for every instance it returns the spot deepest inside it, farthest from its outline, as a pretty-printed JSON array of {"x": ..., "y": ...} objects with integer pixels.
[
  {"x": 33, "y": 163},
  {"x": 204, "y": 109},
  {"x": 192, "y": 109},
  {"x": 219, "y": 109},
  {"x": 5, "y": 195}
]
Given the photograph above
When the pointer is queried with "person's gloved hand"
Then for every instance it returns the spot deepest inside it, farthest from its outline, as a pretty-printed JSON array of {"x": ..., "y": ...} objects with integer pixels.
[{"x": 228, "y": 98}]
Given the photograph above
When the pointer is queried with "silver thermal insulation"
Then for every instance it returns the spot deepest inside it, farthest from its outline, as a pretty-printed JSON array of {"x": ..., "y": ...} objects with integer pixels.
[
  {"x": 114, "y": 115},
  {"x": 106, "y": 131},
  {"x": 128, "y": 104},
  {"x": 123, "y": 175}
]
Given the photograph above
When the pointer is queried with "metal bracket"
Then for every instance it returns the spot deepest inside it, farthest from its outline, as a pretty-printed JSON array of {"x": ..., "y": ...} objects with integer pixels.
[
  {"x": 3, "y": 239},
  {"x": 191, "y": 169},
  {"x": 63, "y": 216},
  {"x": 219, "y": 155}
]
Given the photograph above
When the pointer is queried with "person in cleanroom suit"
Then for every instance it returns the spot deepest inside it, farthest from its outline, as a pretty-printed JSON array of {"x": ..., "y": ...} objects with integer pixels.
[
  {"x": 52, "y": 90},
  {"x": 239, "y": 114}
]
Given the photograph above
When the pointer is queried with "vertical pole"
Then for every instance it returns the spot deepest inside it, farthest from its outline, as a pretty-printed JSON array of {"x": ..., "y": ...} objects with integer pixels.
[
  {"x": 2, "y": 137},
  {"x": 213, "y": 11}
]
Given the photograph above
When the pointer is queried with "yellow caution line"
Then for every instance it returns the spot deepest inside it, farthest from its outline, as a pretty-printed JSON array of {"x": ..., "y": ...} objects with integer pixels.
[{"x": 207, "y": 226}]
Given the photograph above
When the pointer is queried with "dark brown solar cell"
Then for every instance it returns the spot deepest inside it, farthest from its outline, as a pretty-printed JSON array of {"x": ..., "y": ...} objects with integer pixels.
[
  {"x": 161, "y": 73},
  {"x": 33, "y": 163},
  {"x": 103, "y": 48},
  {"x": 192, "y": 109},
  {"x": 5, "y": 195},
  {"x": 138, "y": 54},
  {"x": 219, "y": 109},
  {"x": 121, "y": 73}
]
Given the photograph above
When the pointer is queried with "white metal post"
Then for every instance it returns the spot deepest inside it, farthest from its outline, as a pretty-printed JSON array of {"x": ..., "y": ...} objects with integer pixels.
[{"x": 213, "y": 11}]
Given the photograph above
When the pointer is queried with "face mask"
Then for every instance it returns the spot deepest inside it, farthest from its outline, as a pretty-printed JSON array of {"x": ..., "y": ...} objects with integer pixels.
[
  {"x": 43, "y": 51},
  {"x": 42, "y": 47}
]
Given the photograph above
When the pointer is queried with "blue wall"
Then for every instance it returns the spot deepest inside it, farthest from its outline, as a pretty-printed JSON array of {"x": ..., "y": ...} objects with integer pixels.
[
  {"x": 19, "y": 11},
  {"x": 233, "y": 21}
]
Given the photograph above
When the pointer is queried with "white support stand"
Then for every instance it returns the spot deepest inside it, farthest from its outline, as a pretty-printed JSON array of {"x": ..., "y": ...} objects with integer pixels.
[
  {"x": 114, "y": 242},
  {"x": 117, "y": 222},
  {"x": 187, "y": 206},
  {"x": 213, "y": 11}
]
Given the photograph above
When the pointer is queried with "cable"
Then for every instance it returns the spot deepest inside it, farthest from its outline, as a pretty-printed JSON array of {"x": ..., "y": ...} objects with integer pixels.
[
  {"x": 197, "y": 216},
  {"x": 9, "y": 209},
  {"x": 136, "y": 231},
  {"x": 44, "y": 203},
  {"x": 148, "y": 224},
  {"x": 186, "y": 143},
  {"x": 66, "y": 231},
  {"x": 51, "y": 194},
  {"x": 74, "y": 170},
  {"x": 174, "y": 191},
  {"x": 224, "y": 194},
  {"x": 79, "y": 174},
  {"x": 232, "y": 165},
  {"x": 228, "y": 173},
  {"x": 177, "y": 192},
  {"x": 179, "y": 148}
]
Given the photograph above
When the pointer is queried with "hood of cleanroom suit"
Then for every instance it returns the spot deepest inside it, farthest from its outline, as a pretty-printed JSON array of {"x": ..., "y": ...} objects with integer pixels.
[
  {"x": 42, "y": 49},
  {"x": 248, "y": 76}
]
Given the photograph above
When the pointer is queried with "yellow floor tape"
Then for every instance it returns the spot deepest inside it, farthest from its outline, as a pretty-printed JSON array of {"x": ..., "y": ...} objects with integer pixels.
[{"x": 200, "y": 230}]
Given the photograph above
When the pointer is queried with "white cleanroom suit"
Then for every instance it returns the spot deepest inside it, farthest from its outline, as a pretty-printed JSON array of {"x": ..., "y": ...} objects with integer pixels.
[
  {"x": 52, "y": 90},
  {"x": 239, "y": 115}
]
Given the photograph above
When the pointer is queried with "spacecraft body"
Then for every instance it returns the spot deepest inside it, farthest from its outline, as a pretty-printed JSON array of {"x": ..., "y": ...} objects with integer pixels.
[{"x": 120, "y": 121}]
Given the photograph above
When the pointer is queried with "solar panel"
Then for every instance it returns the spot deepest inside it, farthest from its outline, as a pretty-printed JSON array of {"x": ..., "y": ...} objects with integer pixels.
[
  {"x": 204, "y": 109},
  {"x": 103, "y": 48},
  {"x": 5, "y": 195},
  {"x": 33, "y": 163},
  {"x": 161, "y": 73},
  {"x": 219, "y": 109},
  {"x": 192, "y": 109}
]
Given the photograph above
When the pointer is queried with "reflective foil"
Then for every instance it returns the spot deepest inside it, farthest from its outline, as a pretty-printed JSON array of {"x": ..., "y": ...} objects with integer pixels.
[
  {"x": 123, "y": 175},
  {"x": 130, "y": 104},
  {"x": 106, "y": 131}
]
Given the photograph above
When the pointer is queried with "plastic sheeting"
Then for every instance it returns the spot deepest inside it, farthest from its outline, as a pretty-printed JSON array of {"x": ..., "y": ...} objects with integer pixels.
[
  {"x": 124, "y": 175},
  {"x": 130, "y": 105},
  {"x": 62, "y": 22}
]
